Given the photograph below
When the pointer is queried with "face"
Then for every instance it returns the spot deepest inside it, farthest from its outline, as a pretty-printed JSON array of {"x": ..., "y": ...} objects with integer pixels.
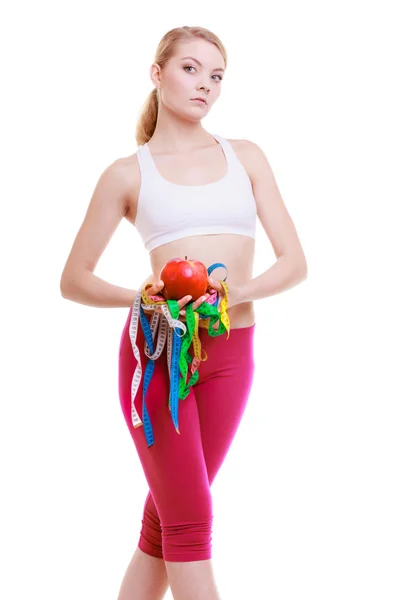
[{"x": 183, "y": 79}]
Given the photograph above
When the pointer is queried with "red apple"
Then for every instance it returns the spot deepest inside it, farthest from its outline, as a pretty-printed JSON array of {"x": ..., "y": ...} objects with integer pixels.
[{"x": 184, "y": 277}]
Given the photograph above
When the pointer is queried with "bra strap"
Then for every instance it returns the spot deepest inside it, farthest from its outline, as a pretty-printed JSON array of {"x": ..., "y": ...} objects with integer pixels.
[
  {"x": 145, "y": 160},
  {"x": 228, "y": 150}
]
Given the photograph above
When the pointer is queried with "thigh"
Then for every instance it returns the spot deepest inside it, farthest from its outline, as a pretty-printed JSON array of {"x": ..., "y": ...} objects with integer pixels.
[
  {"x": 223, "y": 390},
  {"x": 174, "y": 465}
]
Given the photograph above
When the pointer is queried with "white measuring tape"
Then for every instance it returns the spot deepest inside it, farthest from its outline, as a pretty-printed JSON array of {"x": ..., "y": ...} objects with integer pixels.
[{"x": 177, "y": 346}]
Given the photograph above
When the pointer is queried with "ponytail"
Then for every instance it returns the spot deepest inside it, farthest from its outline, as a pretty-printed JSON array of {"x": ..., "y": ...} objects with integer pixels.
[
  {"x": 147, "y": 119},
  {"x": 148, "y": 115}
]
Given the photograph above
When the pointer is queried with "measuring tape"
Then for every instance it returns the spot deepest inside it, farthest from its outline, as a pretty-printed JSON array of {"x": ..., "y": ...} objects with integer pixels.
[{"x": 178, "y": 356}]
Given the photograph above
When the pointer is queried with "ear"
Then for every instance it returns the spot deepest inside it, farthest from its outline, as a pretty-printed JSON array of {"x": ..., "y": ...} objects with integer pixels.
[{"x": 155, "y": 74}]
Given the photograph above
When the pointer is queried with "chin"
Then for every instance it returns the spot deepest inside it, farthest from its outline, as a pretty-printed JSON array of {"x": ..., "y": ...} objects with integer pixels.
[
  {"x": 191, "y": 116},
  {"x": 201, "y": 111}
]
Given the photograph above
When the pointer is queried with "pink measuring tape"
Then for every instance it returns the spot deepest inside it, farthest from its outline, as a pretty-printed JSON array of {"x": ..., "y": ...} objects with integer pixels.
[{"x": 178, "y": 356}]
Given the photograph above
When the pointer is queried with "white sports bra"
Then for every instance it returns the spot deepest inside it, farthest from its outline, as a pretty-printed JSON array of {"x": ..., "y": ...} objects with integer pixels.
[{"x": 168, "y": 211}]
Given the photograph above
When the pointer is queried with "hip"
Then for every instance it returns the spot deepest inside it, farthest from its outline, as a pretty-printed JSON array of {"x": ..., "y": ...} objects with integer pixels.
[{"x": 242, "y": 315}]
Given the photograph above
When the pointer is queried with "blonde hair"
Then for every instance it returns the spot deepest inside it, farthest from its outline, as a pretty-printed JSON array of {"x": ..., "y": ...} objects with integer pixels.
[{"x": 165, "y": 50}]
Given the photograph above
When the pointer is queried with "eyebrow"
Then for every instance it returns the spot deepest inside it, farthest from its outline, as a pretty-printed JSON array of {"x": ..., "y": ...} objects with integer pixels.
[{"x": 199, "y": 63}]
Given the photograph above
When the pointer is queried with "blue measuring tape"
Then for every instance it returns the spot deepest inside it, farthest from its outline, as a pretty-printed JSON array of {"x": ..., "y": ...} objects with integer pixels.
[{"x": 177, "y": 351}]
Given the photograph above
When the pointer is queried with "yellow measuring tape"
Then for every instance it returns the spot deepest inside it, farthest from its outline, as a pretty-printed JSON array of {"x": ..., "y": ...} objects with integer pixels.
[{"x": 207, "y": 316}]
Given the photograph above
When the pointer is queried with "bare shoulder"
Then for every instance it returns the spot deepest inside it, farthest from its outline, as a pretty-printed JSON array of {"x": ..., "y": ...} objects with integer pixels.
[
  {"x": 130, "y": 171},
  {"x": 251, "y": 156},
  {"x": 245, "y": 145},
  {"x": 128, "y": 167},
  {"x": 237, "y": 145}
]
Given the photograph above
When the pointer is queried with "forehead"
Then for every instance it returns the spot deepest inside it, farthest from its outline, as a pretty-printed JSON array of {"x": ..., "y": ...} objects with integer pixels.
[{"x": 204, "y": 52}]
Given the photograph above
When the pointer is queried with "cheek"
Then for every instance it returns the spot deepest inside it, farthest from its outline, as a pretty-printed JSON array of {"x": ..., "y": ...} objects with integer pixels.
[
  {"x": 179, "y": 84},
  {"x": 216, "y": 94},
  {"x": 178, "y": 94}
]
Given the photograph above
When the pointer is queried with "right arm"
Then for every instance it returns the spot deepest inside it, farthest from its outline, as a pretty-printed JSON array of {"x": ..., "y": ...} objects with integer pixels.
[{"x": 107, "y": 207}]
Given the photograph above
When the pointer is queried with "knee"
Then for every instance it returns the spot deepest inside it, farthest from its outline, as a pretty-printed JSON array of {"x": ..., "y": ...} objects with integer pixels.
[
  {"x": 187, "y": 541},
  {"x": 150, "y": 540}
]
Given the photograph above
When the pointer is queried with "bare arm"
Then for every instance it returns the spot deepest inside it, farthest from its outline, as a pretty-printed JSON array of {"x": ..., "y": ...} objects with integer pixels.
[
  {"x": 106, "y": 209},
  {"x": 290, "y": 267}
]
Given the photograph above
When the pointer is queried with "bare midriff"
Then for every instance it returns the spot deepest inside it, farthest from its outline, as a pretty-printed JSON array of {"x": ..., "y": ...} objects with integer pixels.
[{"x": 234, "y": 251}]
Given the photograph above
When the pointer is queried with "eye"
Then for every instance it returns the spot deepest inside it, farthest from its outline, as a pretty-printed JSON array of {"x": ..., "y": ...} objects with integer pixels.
[{"x": 191, "y": 67}]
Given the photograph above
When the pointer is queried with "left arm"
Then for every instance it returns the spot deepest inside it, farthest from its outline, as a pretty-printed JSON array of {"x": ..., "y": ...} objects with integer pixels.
[{"x": 290, "y": 267}]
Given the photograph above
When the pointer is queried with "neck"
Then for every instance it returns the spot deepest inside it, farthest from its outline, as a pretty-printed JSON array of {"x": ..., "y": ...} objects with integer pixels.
[{"x": 174, "y": 135}]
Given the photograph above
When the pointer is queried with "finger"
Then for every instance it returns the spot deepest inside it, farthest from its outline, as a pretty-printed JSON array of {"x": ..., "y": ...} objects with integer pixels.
[
  {"x": 151, "y": 291},
  {"x": 183, "y": 301},
  {"x": 155, "y": 288},
  {"x": 200, "y": 301}
]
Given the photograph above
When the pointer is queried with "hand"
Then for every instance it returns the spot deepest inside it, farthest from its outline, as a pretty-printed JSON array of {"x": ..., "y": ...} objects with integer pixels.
[
  {"x": 195, "y": 305},
  {"x": 234, "y": 297},
  {"x": 234, "y": 292},
  {"x": 156, "y": 288}
]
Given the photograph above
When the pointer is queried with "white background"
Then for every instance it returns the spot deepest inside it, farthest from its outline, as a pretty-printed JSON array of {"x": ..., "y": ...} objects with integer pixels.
[{"x": 306, "y": 503}]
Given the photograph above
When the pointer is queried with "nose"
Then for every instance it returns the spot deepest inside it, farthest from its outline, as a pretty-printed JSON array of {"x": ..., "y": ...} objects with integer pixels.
[{"x": 206, "y": 88}]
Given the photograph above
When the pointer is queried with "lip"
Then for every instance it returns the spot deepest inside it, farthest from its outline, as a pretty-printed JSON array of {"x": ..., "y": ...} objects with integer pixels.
[{"x": 200, "y": 100}]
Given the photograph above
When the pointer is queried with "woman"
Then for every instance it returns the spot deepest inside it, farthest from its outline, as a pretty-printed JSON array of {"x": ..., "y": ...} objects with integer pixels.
[{"x": 191, "y": 194}]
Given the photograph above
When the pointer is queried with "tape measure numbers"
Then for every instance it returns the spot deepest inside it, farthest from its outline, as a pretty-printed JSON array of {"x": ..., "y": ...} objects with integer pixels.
[{"x": 179, "y": 337}]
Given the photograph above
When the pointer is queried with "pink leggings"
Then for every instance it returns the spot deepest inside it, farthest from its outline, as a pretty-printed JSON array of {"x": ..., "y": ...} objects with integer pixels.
[{"x": 180, "y": 468}]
